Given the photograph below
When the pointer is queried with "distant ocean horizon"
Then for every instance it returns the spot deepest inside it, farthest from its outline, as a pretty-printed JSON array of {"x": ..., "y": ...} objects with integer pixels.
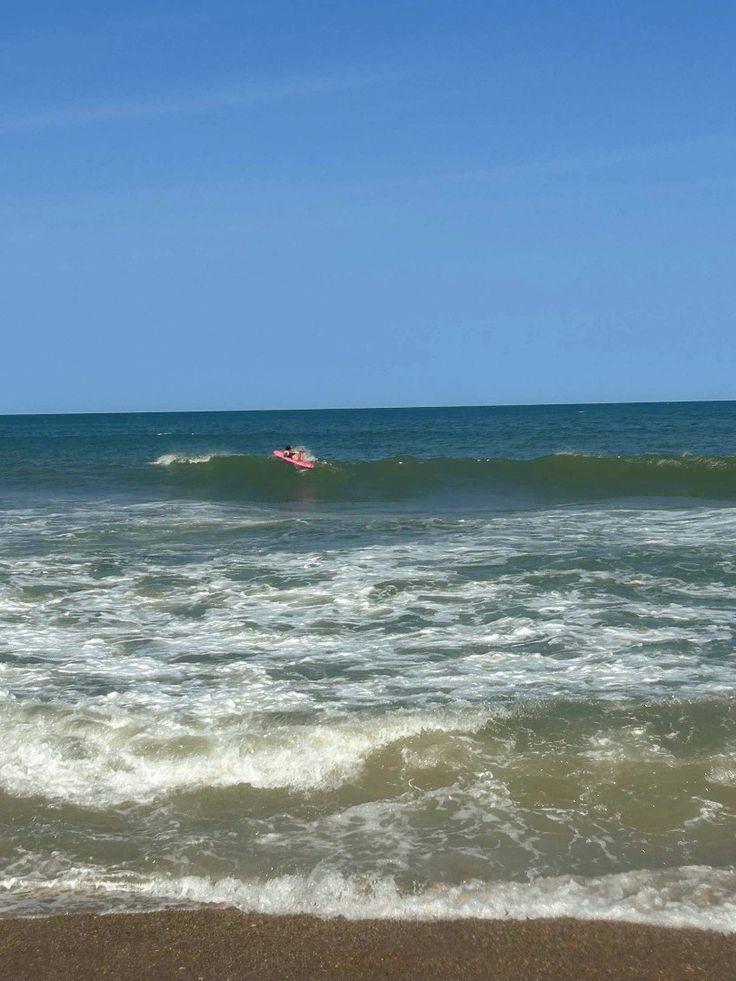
[
  {"x": 479, "y": 662},
  {"x": 369, "y": 408}
]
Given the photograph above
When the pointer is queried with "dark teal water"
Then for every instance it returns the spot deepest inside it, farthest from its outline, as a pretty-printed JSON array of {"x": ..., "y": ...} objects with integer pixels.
[
  {"x": 478, "y": 662},
  {"x": 511, "y": 456}
]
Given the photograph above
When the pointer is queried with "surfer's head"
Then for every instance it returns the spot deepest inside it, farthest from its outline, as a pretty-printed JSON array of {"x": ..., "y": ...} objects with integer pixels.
[{"x": 287, "y": 448}]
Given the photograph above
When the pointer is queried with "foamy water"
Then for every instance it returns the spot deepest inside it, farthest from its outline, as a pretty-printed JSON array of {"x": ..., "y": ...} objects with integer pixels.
[{"x": 373, "y": 709}]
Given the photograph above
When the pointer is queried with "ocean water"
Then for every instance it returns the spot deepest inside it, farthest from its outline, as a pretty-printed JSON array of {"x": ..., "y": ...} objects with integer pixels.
[{"x": 478, "y": 662}]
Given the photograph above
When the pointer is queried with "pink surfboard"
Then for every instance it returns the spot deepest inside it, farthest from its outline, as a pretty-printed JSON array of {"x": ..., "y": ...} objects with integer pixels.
[{"x": 303, "y": 464}]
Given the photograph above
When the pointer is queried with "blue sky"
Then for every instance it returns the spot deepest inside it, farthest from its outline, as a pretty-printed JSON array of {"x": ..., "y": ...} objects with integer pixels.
[{"x": 301, "y": 204}]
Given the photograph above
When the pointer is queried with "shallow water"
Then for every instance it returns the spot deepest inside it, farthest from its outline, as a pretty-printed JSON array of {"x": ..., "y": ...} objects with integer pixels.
[{"x": 481, "y": 662}]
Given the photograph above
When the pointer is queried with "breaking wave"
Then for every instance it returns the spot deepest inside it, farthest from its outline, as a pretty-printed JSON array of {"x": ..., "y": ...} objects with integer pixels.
[
  {"x": 561, "y": 477},
  {"x": 693, "y": 896}
]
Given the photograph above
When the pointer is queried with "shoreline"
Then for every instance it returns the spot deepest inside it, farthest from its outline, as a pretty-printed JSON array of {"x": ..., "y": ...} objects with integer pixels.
[{"x": 209, "y": 944}]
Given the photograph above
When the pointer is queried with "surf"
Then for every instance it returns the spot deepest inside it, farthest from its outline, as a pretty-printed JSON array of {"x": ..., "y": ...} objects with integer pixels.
[{"x": 564, "y": 477}]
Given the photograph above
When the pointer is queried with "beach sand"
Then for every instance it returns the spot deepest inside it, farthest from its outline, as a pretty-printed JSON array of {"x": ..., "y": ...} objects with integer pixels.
[{"x": 226, "y": 944}]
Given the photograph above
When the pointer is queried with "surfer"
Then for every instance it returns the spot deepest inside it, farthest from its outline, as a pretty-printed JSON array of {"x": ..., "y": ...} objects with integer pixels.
[{"x": 298, "y": 458}]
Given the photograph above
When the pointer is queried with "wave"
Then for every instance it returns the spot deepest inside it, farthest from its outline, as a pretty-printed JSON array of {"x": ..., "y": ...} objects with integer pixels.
[
  {"x": 108, "y": 759},
  {"x": 694, "y": 896},
  {"x": 559, "y": 477},
  {"x": 168, "y": 458},
  {"x": 103, "y": 754}
]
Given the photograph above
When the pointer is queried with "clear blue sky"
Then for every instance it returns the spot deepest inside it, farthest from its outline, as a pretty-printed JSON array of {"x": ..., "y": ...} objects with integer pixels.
[{"x": 366, "y": 202}]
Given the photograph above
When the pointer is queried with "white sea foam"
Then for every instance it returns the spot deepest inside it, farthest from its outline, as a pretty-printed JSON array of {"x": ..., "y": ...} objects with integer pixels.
[
  {"x": 213, "y": 634},
  {"x": 150, "y": 651},
  {"x": 166, "y": 459},
  {"x": 695, "y": 896},
  {"x": 105, "y": 759}
]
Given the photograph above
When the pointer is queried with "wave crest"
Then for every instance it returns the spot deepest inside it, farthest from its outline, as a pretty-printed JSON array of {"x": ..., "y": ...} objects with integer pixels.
[
  {"x": 559, "y": 477},
  {"x": 685, "y": 896}
]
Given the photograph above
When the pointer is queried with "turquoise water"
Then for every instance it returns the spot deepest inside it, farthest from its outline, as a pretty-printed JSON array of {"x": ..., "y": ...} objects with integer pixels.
[{"x": 479, "y": 661}]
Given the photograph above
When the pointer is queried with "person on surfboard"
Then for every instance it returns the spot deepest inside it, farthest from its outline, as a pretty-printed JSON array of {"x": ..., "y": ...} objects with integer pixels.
[{"x": 299, "y": 458}]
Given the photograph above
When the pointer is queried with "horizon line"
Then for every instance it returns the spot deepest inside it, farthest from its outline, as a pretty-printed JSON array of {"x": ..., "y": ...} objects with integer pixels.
[{"x": 368, "y": 408}]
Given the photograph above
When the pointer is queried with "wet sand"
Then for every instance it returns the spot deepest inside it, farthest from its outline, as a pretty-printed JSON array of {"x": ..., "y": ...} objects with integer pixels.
[{"x": 225, "y": 944}]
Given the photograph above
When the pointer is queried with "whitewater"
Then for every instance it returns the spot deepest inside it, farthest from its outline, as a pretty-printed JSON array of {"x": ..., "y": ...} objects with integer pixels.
[{"x": 478, "y": 663}]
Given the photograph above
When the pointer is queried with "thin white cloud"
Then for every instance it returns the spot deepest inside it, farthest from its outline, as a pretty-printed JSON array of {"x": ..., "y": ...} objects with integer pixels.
[
  {"x": 214, "y": 100},
  {"x": 574, "y": 162},
  {"x": 581, "y": 162}
]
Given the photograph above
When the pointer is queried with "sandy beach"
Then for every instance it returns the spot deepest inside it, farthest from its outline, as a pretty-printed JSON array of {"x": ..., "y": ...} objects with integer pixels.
[{"x": 226, "y": 944}]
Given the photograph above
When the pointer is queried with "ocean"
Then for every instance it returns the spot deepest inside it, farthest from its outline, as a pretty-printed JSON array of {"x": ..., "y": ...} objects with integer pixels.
[{"x": 478, "y": 662}]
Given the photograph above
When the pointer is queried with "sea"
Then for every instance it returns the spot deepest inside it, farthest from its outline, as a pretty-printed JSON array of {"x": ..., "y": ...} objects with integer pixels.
[{"x": 478, "y": 662}]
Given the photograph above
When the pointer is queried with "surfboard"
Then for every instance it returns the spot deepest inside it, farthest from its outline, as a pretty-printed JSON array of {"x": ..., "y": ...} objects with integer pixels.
[{"x": 302, "y": 464}]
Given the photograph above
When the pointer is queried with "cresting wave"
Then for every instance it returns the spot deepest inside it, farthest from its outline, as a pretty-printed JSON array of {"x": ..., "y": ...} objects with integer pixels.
[
  {"x": 694, "y": 896},
  {"x": 559, "y": 477},
  {"x": 94, "y": 757}
]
